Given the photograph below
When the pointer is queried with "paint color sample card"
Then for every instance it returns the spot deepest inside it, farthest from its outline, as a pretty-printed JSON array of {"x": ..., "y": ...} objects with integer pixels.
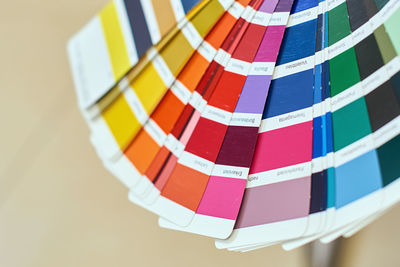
[
  {"x": 221, "y": 200},
  {"x": 198, "y": 158},
  {"x": 251, "y": 121},
  {"x": 104, "y": 50},
  {"x": 281, "y": 168},
  {"x": 183, "y": 201},
  {"x": 179, "y": 136},
  {"x": 120, "y": 122},
  {"x": 322, "y": 183},
  {"x": 198, "y": 23},
  {"x": 197, "y": 102},
  {"x": 374, "y": 71},
  {"x": 141, "y": 152},
  {"x": 166, "y": 158}
]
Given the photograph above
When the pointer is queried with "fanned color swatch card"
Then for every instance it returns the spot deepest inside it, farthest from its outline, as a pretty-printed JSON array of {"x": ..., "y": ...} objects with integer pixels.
[{"x": 255, "y": 122}]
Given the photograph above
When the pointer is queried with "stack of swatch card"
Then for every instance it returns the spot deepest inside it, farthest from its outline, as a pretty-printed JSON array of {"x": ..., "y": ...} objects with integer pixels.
[{"x": 255, "y": 122}]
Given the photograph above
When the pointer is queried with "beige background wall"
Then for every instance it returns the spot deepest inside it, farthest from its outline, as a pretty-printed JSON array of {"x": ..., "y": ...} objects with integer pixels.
[{"x": 58, "y": 205}]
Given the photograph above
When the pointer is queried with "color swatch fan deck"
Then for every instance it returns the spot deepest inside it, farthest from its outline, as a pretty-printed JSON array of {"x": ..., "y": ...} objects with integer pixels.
[{"x": 255, "y": 122}]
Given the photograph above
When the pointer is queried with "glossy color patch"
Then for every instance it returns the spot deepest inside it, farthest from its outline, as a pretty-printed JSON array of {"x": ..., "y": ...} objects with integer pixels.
[
  {"x": 167, "y": 112},
  {"x": 368, "y": 56},
  {"x": 371, "y": 8},
  {"x": 157, "y": 163},
  {"x": 350, "y": 124},
  {"x": 343, "y": 71},
  {"x": 207, "y": 17},
  {"x": 318, "y": 128},
  {"x": 299, "y": 6},
  {"x": 121, "y": 122},
  {"x": 250, "y": 43},
  {"x": 381, "y": 3},
  {"x": 319, "y": 192},
  {"x": 389, "y": 158},
  {"x": 187, "y": 188},
  {"x": 178, "y": 46},
  {"x": 339, "y": 26},
  {"x": 283, "y": 147},
  {"x": 395, "y": 81},
  {"x": 236, "y": 149},
  {"x": 142, "y": 151},
  {"x": 227, "y": 91},
  {"x": 252, "y": 98},
  {"x": 162, "y": 178},
  {"x": 358, "y": 15},
  {"x": 189, "y": 4},
  {"x": 382, "y": 105},
  {"x": 331, "y": 180},
  {"x": 299, "y": 42},
  {"x": 203, "y": 143},
  {"x": 357, "y": 178},
  {"x": 283, "y": 201},
  {"x": 139, "y": 28},
  {"x": 222, "y": 197},
  {"x": 385, "y": 44},
  {"x": 149, "y": 87},
  {"x": 115, "y": 40},
  {"x": 283, "y": 97},
  {"x": 164, "y": 15},
  {"x": 392, "y": 29}
]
